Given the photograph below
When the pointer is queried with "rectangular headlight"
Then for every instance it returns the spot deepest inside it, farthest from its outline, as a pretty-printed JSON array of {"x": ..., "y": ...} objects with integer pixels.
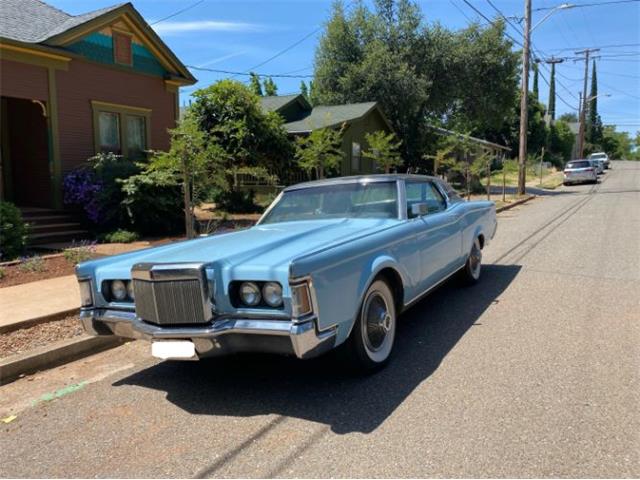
[
  {"x": 86, "y": 295},
  {"x": 301, "y": 300}
]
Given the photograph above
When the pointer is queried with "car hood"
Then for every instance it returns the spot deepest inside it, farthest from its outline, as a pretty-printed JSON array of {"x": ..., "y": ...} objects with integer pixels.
[{"x": 259, "y": 249}]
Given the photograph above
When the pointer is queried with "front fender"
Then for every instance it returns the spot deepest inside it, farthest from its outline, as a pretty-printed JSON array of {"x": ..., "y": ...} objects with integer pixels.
[{"x": 377, "y": 265}]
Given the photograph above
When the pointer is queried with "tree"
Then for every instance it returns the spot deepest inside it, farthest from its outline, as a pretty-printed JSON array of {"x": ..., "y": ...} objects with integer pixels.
[
  {"x": 618, "y": 145},
  {"x": 536, "y": 93},
  {"x": 304, "y": 91},
  {"x": 383, "y": 150},
  {"x": 561, "y": 141},
  {"x": 552, "y": 93},
  {"x": 569, "y": 117},
  {"x": 254, "y": 84},
  {"x": 440, "y": 158},
  {"x": 320, "y": 151},
  {"x": 238, "y": 135},
  {"x": 594, "y": 123},
  {"x": 270, "y": 87},
  {"x": 421, "y": 74}
]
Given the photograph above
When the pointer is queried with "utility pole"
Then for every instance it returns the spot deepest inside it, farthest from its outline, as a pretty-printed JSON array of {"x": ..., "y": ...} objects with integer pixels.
[
  {"x": 583, "y": 109},
  {"x": 522, "y": 151}
]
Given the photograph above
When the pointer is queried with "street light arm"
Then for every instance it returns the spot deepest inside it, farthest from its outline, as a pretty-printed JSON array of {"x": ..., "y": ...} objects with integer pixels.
[{"x": 564, "y": 6}]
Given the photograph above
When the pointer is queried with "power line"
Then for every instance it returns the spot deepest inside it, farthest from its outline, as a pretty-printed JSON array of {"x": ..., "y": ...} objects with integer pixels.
[
  {"x": 228, "y": 72},
  {"x": 517, "y": 29},
  {"x": 178, "y": 12},
  {"x": 618, "y": 91},
  {"x": 615, "y": 45},
  {"x": 583, "y": 5},
  {"x": 491, "y": 22}
]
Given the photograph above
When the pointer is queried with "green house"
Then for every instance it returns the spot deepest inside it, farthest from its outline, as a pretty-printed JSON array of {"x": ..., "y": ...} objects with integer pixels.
[{"x": 357, "y": 119}]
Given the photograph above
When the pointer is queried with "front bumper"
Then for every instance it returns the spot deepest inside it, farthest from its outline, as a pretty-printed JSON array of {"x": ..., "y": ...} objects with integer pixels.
[{"x": 220, "y": 337}]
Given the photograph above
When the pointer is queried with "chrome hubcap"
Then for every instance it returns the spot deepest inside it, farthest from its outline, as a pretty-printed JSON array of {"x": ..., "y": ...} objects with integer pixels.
[{"x": 377, "y": 321}]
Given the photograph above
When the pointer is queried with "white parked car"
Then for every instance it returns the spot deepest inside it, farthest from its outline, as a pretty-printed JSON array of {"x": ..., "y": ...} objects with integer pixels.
[
  {"x": 598, "y": 165},
  {"x": 579, "y": 171},
  {"x": 600, "y": 156}
]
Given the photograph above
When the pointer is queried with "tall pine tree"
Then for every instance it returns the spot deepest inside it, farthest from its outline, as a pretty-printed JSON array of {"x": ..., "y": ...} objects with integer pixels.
[
  {"x": 304, "y": 90},
  {"x": 552, "y": 92},
  {"x": 594, "y": 125},
  {"x": 254, "y": 83},
  {"x": 270, "y": 87},
  {"x": 536, "y": 93}
]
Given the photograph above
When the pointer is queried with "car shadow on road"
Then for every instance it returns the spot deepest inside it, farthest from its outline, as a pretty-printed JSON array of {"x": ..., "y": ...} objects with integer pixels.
[{"x": 319, "y": 390}]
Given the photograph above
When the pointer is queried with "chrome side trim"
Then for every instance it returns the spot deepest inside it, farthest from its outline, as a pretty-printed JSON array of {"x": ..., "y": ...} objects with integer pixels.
[{"x": 420, "y": 296}]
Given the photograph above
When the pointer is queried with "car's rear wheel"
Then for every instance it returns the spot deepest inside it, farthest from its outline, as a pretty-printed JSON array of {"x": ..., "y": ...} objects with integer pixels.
[
  {"x": 371, "y": 342},
  {"x": 473, "y": 268}
]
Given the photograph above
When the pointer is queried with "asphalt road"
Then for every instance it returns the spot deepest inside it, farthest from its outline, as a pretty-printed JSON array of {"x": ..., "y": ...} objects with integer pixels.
[{"x": 534, "y": 372}]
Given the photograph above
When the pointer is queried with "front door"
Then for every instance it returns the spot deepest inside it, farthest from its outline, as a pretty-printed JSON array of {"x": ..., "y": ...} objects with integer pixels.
[{"x": 25, "y": 153}]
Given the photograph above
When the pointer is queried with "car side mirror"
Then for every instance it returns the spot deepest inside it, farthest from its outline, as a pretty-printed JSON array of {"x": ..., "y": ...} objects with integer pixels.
[{"x": 419, "y": 209}]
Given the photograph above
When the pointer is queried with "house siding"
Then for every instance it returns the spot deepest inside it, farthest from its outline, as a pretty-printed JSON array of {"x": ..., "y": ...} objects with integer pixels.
[
  {"x": 99, "y": 48},
  {"x": 85, "y": 82},
  {"x": 25, "y": 81},
  {"x": 356, "y": 133}
]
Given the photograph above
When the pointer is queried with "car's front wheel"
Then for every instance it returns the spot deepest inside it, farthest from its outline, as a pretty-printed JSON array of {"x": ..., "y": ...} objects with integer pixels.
[
  {"x": 371, "y": 341},
  {"x": 473, "y": 268}
]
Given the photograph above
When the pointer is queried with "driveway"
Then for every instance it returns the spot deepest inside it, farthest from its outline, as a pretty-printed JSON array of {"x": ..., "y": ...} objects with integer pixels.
[{"x": 534, "y": 372}]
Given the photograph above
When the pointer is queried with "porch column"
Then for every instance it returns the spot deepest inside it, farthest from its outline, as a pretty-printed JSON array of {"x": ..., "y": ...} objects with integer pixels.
[{"x": 55, "y": 165}]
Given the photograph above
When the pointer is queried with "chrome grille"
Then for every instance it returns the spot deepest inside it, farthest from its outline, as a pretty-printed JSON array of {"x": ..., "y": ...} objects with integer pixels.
[{"x": 172, "y": 294}]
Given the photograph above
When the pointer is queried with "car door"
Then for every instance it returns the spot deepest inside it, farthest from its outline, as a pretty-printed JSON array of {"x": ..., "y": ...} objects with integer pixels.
[{"x": 439, "y": 233}]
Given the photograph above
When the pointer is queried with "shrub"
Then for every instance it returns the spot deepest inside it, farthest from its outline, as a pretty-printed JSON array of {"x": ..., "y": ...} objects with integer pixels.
[
  {"x": 80, "y": 252},
  {"x": 116, "y": 193},
  {"x": 32, "y": 264},
  {"x": 13, "y": 231},
  {"x": 1, "y": 273},
  {"x": 120, "y": 236},
  {"x": 153, "y": 201},
  {"x": 96, "y": 188},
  {"x": 237, "y": 201}
]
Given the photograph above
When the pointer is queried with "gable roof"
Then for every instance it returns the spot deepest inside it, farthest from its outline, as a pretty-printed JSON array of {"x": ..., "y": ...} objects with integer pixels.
[
  {"x": 275, "y": 103},
  {"x": 35, "y": 22},
  {"x": 323, "y": 116}
]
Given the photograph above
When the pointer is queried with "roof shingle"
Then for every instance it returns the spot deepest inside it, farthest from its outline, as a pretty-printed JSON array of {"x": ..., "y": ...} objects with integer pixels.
[{"x": 33, "y": 21}]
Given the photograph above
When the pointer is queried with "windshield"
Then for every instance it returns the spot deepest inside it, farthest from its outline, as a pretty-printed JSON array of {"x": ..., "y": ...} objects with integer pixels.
[
  {"x": 349, "y": 200},
  {"x": 583, "y": 164},
  {"x": 598, "y": 155}
]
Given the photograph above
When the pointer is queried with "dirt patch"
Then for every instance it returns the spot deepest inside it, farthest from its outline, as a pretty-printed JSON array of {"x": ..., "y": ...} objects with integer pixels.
[
  {"x": 47, "y": 268},
  {"x": 26, "y": 339}
]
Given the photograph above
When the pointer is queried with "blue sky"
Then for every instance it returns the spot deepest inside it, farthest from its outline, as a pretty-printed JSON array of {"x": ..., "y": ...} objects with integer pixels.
[{"x": 238, "y": 35}]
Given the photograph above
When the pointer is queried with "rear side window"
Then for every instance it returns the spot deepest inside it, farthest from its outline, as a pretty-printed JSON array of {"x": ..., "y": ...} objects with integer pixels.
[
  {"x": 451, "y": 193},
  {"x": 584, "y": 164}
]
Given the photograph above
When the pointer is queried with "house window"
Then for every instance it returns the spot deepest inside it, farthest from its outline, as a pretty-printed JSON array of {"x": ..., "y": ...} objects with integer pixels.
[
  {"x": 109, "y": 132},
  {"x": 136, "y": 135},
  {"x": 120, "y": 129},
  {"x": 122, "y": 48},
  {"x": 356, "y": 155}
]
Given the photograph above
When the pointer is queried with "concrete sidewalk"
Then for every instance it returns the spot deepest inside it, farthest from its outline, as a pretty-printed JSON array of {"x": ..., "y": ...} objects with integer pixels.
[{"x": 26, "y": 303}]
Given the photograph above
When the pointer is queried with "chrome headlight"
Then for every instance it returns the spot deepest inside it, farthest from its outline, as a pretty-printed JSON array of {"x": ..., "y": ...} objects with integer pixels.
[
  {"x": 130, "y": 290},
  {"x": 250, "y": 294},
  {"x": 118, "y": 290},
  {"x": 272, "y": 294},
  {"x": 86, "y": 295}
]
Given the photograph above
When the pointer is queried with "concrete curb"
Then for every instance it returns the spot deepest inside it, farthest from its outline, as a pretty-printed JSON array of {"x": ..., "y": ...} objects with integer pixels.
[
  {"x": 38, "y": 320},
  {"x": 53, "y": 355},
  {"x": 515, "y": 204}
]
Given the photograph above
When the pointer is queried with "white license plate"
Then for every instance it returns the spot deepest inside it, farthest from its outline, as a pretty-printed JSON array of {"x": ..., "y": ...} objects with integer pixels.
[{"x": 174, "y": 349}]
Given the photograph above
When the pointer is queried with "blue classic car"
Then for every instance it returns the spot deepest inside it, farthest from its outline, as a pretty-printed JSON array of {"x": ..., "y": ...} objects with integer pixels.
[{"x": 330, "y": 263}]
